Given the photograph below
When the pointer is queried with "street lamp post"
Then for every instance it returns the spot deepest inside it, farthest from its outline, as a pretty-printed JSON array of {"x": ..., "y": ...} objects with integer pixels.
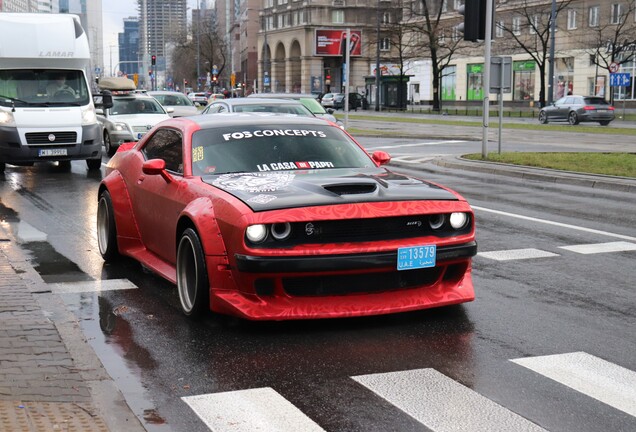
[
  {"x": 551, "y": 64},
  {"x": 377, "y": 60}
]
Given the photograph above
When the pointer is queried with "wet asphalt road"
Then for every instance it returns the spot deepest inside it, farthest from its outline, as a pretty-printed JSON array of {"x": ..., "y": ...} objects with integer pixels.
[{"x": 561, "y": 302}]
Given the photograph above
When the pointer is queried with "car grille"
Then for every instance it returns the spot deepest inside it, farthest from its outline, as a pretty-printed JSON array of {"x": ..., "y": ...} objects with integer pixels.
[
  {"x": 363, "y": 230},
  {"x": 43, "y": 138},
  {"x": 360, "y": 283}
]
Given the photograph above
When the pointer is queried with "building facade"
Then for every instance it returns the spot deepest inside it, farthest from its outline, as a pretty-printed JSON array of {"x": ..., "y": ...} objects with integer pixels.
[{"x": 129, "y": 47}]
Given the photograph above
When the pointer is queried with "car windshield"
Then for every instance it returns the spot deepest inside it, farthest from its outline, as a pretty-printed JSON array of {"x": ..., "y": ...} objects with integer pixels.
[
  {"x": 273, "y": 148},
  {"x": 176, "y": 99},
  {"x": 43, "y": 87},
  {"x": 296, "y": 109},
  {"x": 136, "y": 106},
  {"x": 313, "y": 105}
]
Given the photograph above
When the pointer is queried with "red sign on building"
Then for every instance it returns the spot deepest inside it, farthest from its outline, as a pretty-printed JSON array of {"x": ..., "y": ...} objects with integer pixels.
[{"x": 332, "y": 42}]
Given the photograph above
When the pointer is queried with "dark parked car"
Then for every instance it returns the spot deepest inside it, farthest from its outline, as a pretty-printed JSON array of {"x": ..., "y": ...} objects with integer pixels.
[
  {"x": 356, "y": 100},
  {"x": 576, "y": 109}
]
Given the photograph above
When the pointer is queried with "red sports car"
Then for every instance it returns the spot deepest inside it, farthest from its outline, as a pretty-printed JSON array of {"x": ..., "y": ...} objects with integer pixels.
[{"x": 271, "y": 217}]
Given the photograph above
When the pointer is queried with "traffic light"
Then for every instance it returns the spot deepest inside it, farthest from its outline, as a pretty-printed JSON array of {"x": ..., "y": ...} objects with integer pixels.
[
  {"x": 327, "y": 76},
  {"x": 153, "y": 60},
  {"x": 474, "y": 25}
]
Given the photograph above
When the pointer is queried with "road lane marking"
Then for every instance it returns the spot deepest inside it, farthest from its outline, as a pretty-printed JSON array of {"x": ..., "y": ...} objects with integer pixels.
[
  {"x": 27, "y": 233},
  {"x": 91, "y": 286},
  {"x": 601, "y": 247},
  {"x": 559, "y": 224},
  {"x": 260, "y": 409},
  {"x": 417, "y": 144},
  {"x": 442, "y": 404},
  {"x": 516, "y": 254},
  {"x": 597, "y": 378}
]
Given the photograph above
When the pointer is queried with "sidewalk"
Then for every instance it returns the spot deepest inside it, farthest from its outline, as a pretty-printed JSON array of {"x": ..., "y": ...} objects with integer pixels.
[{"x": 50, "y": 378}]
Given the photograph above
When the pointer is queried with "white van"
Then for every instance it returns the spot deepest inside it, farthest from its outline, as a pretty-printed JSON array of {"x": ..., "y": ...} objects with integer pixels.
[{"x": 46, "y": 106}]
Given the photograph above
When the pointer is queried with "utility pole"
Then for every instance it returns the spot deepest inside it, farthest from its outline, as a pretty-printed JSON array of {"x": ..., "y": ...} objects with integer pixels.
[
  {"x": 551, "y": 63},
  {"x": 377, "y": 59}
]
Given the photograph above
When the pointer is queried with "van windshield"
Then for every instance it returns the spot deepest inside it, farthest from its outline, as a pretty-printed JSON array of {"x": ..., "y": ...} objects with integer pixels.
[{"x": 43, "y": 87}]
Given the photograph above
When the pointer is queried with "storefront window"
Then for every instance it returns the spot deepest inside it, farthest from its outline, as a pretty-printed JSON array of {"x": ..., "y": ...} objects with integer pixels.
[
  {"x": 565, "y": 77},
  {"x": 448, "y": 83},
  {"x": 475, "y": 86},
  {"x": 596, "y": 88},
  {"x": 523, "y": 80}
]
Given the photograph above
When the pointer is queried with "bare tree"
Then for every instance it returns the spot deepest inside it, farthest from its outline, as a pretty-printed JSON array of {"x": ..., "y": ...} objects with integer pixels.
[
  {"x": 528, "y": 28},
  {"x": 198, "y": 55},
  {"x": 434, "y": 36},
  {"x": 615, "y": 40}
]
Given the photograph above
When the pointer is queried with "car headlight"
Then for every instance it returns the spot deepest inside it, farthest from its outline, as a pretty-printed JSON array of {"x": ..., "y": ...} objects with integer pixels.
[
  {"x": 256, "y": 233},
  {"x": 436, "y": 221},
  {"x": 280, "y": 231},
  {"x": 120, "y": 127},
  {"x": 6, "y": 118},
  {"x": 88, "y": 115},
  {"x": 458, "y": 220}
]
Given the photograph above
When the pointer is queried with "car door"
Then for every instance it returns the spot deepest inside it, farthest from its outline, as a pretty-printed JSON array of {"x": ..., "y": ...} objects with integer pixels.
[
  {"x": 158, "y": 201},
  {"x": 561, "y": 108}
]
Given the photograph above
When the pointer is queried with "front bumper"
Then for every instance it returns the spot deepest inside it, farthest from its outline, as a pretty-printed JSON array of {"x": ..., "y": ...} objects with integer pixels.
[
  {"x": 13, "y": 150},
  {"x": 311, "y": 287}
]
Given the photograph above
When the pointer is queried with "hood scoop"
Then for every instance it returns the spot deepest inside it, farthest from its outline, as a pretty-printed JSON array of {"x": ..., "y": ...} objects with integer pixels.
[{"x": 351, "y": 188}]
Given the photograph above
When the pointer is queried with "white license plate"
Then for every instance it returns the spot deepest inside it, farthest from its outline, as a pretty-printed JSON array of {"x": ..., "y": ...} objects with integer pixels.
[
  {"x": 52, "y": 152},
  {"x": 416, "y": 257},
  {"x": 601, "y": 110}
]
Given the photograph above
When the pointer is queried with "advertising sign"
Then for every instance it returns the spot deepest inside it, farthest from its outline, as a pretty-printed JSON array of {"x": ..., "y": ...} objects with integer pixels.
[{"x": 332, "y": 42}]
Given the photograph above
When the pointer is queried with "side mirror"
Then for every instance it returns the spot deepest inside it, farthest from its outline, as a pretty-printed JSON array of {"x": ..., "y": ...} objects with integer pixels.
[
  {"x": 170, "y": 110},
  {"x": 380, "y": 157},
  {"x": 330, "y": 111},
  {"x": 156, "y": 167},
  {"x": 99, "y": 111},
  {"x": 103, "y": 100}
]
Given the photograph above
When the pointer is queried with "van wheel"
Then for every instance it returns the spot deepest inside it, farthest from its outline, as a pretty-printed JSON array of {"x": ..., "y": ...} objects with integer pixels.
[
  {"x": 64, "y": 165},
  {"x": 108, "y": 145},
  {"x": 94, "y": 164},
  {"x": 192, "y": 275}
]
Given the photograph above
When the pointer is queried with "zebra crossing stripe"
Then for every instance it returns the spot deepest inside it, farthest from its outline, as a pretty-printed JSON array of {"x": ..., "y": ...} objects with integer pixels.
[
  {"x": 620, "y": 246},
  {"x": 516, "y": 254},
  {"x": 442, "y": 404},
  {"x": 261, "y": 409},
  {"x": 91, "y": 286},
  {"x": 597, "y": 378}
]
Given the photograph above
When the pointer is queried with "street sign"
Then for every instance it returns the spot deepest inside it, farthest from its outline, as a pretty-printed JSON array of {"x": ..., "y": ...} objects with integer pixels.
[
  {"x": 620, "y": 79},
  {"x": 613, "y": 67},
  {"x": 500, "y": 80},
  {"x": 266, "y": 80},
  {"x": 98, "y": 70}
]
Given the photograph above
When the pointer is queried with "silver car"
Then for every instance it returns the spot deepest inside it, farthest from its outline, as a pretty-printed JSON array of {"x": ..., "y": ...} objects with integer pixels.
[
  {"x": 177, "y": 104},
  {"x": 131, "y": 117},
  {"x": 309, "y": 100},
  {"x": 576, "y": 109},
  {"x": 279, "y": 106}
]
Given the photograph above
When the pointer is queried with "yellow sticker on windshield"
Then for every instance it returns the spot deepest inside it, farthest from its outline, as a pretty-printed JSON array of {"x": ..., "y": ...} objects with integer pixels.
[{"x": 197, "y": 154}]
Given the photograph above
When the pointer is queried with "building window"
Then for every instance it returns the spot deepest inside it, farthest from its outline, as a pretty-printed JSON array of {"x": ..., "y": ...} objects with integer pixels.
[
  {"x": 523, "y": 80},
  {"x": 593, "y": 16},
  {"x": 456, "y": 35},
  {"x": 499, "y": 29},
  {"x": 516, "y": 26},
  {"x": 282, "y": 2},
  {"x": 474, "y": 79},
  {"x": 457, "y": 4},
  {"x": 337, "y": 16},
  {"x": 534, "y": 25},
  {"x": 449, "y": 80},
  {"x": 616, "y": 16},
  {"x": 444, "y": 6},
  {"x": 571, "y": 19},
  {"x": 269, "y": 3},
  {"x": 385, "y": 44},
  {"x": 386, "y": 18}
]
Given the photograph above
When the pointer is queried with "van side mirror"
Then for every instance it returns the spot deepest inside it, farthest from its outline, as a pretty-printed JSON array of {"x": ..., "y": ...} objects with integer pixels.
[{"x": 103, "y": 100}]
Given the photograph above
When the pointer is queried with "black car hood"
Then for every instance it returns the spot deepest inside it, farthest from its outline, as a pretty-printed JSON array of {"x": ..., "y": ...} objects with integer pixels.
[{"x": 287, "y": 189}]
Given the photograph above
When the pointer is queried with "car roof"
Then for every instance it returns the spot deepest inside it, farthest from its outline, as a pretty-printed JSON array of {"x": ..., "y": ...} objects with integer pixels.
[
  {"x": 258, "y": 101},
  {"x": 164, "y": 92},
  {"x": 257, "y": 119},
  {"x": 282, "y": 95}
]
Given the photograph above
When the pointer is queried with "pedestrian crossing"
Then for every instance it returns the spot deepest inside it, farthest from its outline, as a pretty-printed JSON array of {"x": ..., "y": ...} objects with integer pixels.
[
  {"x": 433, "y": 399},
  {"x": 530, "y": 253}
]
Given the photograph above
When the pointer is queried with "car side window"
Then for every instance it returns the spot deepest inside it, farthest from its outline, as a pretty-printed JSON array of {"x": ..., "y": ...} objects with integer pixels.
[{"x": 166, "y": 144}]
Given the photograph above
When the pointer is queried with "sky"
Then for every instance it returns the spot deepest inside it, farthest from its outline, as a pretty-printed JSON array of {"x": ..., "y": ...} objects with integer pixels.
[{"x": 113, "y": 14}]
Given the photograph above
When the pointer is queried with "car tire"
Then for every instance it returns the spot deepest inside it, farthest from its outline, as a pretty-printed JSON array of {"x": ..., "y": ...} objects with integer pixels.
[
  {"x": 192, "y": 275},
  {"x": 604, "y": 122},
  {"x": 108, "y": 145},
  {"x": 543, "y": 117},
  {"x": 94, "y": 164},
  {"x": 573, "y": 118},
  {"x": 106, "y": 228}
]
